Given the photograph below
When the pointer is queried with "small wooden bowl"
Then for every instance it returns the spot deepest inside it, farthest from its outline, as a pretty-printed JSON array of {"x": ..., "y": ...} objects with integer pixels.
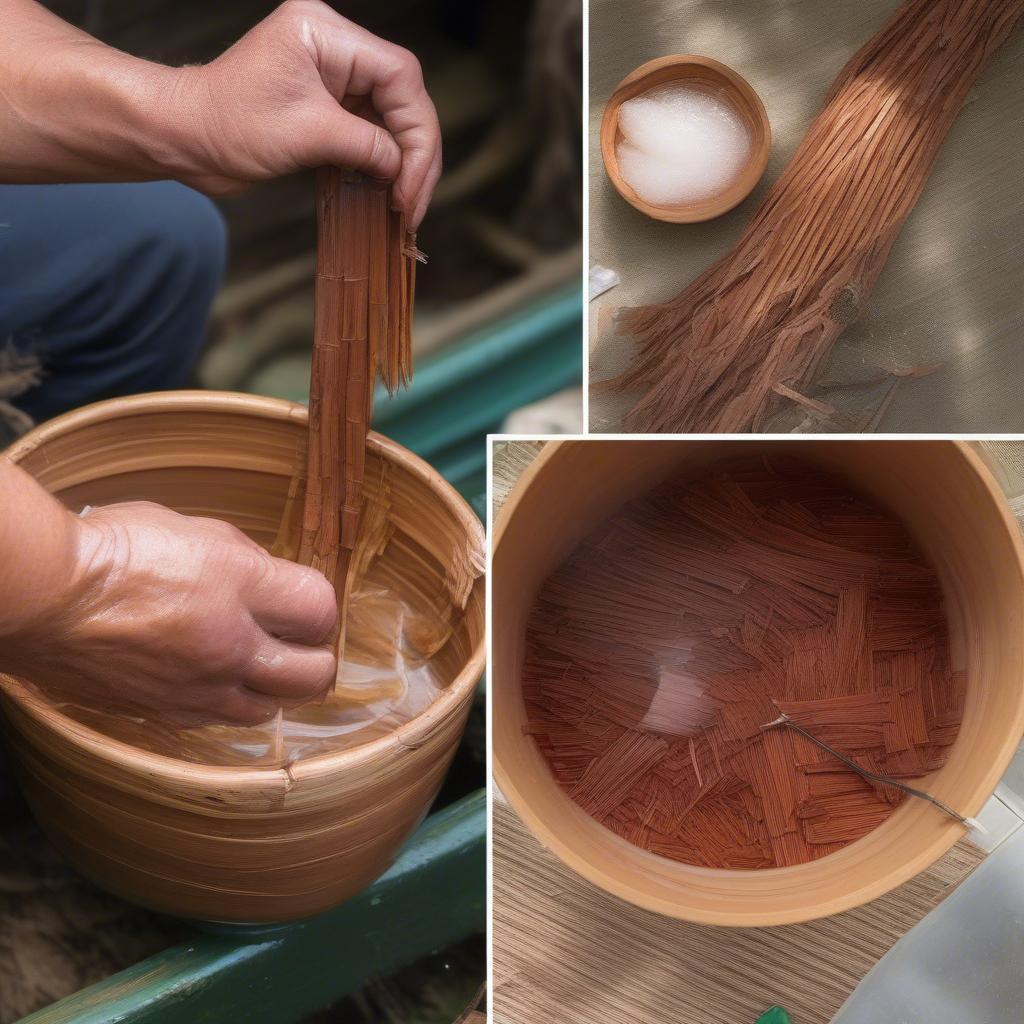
[{"x": 700, "y": 71}]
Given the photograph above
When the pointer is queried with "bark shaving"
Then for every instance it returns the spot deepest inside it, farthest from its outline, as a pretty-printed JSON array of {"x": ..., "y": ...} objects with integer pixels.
[{"x": 365, "y": 284}]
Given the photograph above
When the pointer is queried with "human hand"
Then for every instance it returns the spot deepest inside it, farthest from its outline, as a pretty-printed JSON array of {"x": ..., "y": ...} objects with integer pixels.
[
  {"x": 179, "y": 616},
  {"x": 307, "y": 87}
]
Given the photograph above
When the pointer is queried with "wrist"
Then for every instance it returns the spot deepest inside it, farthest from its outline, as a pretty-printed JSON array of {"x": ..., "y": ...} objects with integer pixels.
[
  {"x": 39, "y": 561},
  {"x": 131, "y": 118},
  {"x": 163, "y": 105},
  {"x": 96, "y": 113}
]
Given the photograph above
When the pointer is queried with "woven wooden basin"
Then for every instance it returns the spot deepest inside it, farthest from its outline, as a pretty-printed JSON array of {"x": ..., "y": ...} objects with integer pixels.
[{"x": 244, "y": 844}]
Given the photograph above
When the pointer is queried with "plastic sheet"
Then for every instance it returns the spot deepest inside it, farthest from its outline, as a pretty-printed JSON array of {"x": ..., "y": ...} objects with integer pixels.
[
  {"x": 962, "y": 962},
  {"x": 601, "y": 280}
]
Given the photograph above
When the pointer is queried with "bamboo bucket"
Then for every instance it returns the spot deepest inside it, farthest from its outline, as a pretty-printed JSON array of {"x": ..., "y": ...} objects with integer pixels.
[
  {"x": 951, "y": 505},
  {"x": 243, "y": 844}
]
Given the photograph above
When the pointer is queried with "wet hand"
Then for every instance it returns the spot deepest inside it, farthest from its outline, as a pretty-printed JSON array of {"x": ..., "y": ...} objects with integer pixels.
[{"x": 179, "y": 616}]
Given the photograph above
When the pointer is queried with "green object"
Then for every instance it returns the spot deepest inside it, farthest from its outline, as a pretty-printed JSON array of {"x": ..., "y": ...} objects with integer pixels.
[
  {"x": 433, "y": 896},
  {"x": 776, "y": 1015},
  {"x": 464, "y": 391},
  {"x": 435, "y": 893}
]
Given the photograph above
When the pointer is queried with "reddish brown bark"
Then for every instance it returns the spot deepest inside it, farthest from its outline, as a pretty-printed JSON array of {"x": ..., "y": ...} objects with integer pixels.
[
  {"x": 681, "y": 626},
  {"x": 722, "y": 354}
]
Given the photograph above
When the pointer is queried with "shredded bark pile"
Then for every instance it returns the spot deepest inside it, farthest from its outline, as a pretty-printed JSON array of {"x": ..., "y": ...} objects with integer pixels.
[
  {"x": 752, "y": 331},
  {"x": 691, "y": 618}
]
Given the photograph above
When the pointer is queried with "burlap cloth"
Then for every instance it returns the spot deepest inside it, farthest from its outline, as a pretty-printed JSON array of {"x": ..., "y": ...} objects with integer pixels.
[
  {"x": 566, "y": 951},
  {"x": 951, "y": 291}
]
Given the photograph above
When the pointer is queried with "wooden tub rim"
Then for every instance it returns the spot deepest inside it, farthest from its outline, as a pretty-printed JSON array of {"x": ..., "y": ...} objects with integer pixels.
[
  {"x": 409, "y": 735},
  {"x": 886, "y": 882}
]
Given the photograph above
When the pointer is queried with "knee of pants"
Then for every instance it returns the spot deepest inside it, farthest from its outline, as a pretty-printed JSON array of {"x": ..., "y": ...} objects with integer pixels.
[
  {"x": 187, "y": 234},
  {"x": 112, "y": 286},
  {"x": 184, "y": 238}
]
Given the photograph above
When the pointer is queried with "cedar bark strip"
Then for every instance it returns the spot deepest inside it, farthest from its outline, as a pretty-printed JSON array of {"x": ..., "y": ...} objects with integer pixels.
[
  {"x": 724, "y": 353},
  {"x": 365, "y": 279}
]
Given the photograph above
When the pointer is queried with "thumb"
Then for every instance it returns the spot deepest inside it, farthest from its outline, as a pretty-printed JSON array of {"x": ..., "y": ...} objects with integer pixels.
[{"x": 353, "y": 142}]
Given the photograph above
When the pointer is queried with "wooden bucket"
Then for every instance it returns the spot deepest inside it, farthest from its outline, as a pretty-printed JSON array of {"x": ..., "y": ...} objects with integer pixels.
[
  {"x": 951, "y": 505},
  {"x": 242, "y": 844}
]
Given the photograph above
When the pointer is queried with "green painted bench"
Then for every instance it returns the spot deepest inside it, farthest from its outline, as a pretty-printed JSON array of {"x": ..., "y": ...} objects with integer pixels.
[{"x": 433, "y": 896}]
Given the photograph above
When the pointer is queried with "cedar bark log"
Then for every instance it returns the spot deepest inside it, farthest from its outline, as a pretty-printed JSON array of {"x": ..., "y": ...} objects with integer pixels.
[{"x": 712, "y": 358}]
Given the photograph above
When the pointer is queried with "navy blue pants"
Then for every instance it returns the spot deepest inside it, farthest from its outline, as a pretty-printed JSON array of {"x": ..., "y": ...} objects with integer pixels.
[
  {"x": 105, "y": 289},
  {"x": 108, "y": 286}
]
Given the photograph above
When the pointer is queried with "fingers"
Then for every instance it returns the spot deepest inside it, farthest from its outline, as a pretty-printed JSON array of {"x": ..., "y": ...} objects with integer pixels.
[
  {"x": 354, "y": 63},
  {"x": 294, "y": 603},
  {"x": 421, "y": 167},
  {"x": 242, "y": 707},
  {"x": 352, "y": 141},
  {"x": 249, "y": 687},
  {"x": 194, "y": 620},
  {"x": 426, "y": 193},
  {"x": 292, "y": 673},
  {"x": 401, "y": 99},
  {"x": 220, "y": 704},
  {"x": 227, "y": 532}
]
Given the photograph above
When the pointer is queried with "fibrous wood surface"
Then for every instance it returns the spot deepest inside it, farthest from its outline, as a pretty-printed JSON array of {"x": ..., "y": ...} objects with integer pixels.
[
  {"x": 752, "y": 331},
  {"x": 365, "y": 282},
  {"x": 692, "y": 617},
  {"x": 561, "y": 941}
]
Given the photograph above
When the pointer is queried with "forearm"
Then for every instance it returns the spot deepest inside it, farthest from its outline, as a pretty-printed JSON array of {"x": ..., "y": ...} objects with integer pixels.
[
  {"x": 74, "y": 109},
  {"x": 37, "y": 549}
]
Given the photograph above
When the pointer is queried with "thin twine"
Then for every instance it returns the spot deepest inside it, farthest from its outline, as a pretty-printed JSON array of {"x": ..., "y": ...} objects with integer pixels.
[{"x": 883, "y": 780}]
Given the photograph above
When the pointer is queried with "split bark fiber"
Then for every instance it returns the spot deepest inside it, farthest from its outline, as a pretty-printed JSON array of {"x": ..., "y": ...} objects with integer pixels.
[
  {"x": 660, "y": 647},
  {"x": 365, "y": 284},
  {"x": 769, "y": 311}
]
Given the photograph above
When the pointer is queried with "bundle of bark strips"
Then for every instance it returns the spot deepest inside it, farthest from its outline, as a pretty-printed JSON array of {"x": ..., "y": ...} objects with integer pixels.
[
  {"x": 365, "y": 285},
  {"x": 751, "y": 332}
]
